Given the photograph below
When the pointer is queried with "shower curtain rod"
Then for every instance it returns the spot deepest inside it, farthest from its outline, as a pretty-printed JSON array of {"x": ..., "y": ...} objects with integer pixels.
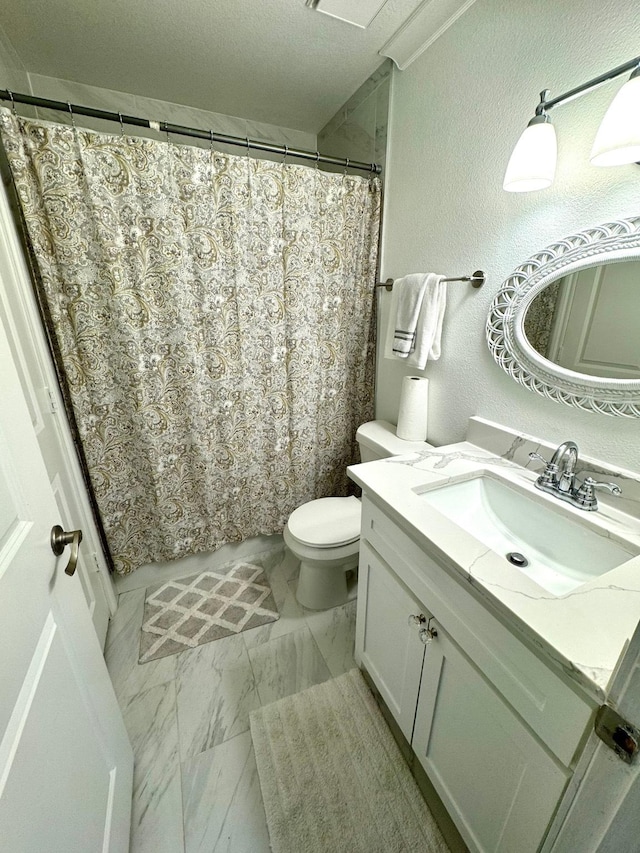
[{"x": 166, "y": 127}]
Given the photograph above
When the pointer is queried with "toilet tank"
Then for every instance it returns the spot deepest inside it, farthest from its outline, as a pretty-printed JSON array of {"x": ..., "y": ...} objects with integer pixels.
[{"x": 378, "y": 439}]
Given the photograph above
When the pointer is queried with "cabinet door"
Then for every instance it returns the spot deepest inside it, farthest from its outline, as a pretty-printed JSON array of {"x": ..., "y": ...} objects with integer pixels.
[
  {"x": 386, "y": 644},
  {"x": 500, "y": 785}
]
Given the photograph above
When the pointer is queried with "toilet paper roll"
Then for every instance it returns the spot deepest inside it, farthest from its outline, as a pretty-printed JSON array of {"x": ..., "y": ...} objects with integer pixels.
[{"x": 413, "y": 411}]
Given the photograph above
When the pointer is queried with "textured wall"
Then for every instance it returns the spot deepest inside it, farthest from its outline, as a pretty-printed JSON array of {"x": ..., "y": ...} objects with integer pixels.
[{"x": 456, "y": 113}]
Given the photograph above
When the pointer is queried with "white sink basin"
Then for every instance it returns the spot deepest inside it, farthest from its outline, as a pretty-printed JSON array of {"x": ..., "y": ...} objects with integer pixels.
[{"x": 561, "y": 553}]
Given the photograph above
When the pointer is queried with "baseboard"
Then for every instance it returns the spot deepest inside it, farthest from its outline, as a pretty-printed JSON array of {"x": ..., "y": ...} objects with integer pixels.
[{"x": 156, "y": 573}]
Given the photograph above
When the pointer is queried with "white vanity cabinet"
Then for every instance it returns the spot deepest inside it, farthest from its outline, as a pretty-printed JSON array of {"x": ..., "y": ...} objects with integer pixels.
[
  {"x": 497, "y": 781},
  {"x": 496, "y": 730},
  {"x": 387, "y": 627}
]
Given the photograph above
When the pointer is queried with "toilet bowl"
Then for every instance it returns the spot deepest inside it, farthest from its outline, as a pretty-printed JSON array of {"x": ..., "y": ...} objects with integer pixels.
[{"x": 324, "y": 534}]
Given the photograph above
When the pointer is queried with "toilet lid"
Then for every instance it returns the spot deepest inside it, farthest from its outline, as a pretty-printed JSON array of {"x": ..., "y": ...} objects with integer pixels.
[{"x": 326, "y": 522}]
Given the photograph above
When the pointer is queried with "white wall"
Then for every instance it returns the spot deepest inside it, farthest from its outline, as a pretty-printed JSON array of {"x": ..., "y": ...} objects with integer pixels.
[
  {"x": 137, "y": 105},
  {"x": 13, "y": 74},
  {"x": 456, "y": 113},
  {"x": 16, "y": 77},
  {"x": 359, "y": 129}
]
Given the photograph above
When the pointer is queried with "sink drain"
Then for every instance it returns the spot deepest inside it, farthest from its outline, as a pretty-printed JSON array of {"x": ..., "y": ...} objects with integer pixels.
[{"x": 517, "y": 559}]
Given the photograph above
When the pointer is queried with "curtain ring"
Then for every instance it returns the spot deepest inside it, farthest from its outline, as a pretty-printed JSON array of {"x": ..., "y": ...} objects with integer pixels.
[
  {"x": 317, "y": 159},
  {"x": 286, "y": 151},
  {"x": 248, "y": 146},
  {"x": 166, "y": 128},
  {"x": 13, "y": 103},
  {"x": 210, "y": 142},
  {"x": 73, "y": 120},
  {"x": 121, "y": 124},
  {"x": 346, "y": 165}
]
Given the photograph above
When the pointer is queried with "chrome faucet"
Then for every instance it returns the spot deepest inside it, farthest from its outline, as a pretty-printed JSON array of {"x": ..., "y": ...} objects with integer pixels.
[
  {"x": 561, "y": 482},
  {"x": 566, "y": 480}
]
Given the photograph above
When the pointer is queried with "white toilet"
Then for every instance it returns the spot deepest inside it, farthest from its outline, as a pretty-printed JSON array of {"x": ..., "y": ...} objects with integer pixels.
[{"x": 325, "y": 534}]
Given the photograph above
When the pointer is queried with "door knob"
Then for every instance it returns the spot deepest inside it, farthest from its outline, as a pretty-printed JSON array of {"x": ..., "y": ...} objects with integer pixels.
[
  {"x": 427, "y": 635},
  {"x": 60, "y": 539}
]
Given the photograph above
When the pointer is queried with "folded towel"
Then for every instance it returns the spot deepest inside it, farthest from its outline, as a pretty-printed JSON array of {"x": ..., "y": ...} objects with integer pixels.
[
  {"x": 429, "y": 326},
  {"x": 409, "y": 296}
]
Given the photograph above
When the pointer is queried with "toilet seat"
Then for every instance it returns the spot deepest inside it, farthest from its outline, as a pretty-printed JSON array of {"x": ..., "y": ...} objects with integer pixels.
[{"x": 326, "y": 522}]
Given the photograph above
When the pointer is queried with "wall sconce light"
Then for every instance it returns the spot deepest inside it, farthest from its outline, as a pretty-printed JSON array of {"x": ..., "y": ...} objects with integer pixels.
[{"x": 533, "y": 161}]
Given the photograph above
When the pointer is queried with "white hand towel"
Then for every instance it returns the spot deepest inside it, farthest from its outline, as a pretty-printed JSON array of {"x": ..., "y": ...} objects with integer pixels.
[
  {"x": 429, "y": 326},
  {"x": 409, "y": 298}
]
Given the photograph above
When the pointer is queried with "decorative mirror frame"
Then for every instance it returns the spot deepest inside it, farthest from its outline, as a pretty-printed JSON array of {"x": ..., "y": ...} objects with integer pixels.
[{"x": 613, "y": 242}]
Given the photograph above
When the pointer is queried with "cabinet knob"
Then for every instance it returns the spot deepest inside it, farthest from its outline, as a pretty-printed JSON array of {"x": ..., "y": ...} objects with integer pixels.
[
  {"x": 418, "y": 619},
  {"x": 427, "y": 635}
]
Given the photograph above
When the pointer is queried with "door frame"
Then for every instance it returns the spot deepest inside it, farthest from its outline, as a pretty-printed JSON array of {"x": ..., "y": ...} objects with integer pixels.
[{"x": 601, "y": 809}]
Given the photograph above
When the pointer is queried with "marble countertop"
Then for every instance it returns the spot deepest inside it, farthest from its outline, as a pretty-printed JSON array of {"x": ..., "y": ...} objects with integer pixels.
[{"x": 582, "y": 632}]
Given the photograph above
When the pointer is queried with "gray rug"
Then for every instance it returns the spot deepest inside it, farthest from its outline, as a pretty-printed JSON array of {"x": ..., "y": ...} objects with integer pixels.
[
  {"x": 333, "y": 779},
  {"x": 185, "y": 613}
]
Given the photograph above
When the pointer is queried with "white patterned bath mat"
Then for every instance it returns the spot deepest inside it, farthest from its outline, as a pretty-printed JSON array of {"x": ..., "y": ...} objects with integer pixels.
[
  {"x": 333, "y": 778},
  {"x": 185, "y": 613}
]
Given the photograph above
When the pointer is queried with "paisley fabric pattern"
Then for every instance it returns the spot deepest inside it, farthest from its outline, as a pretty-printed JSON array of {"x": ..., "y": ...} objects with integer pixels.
[
  {"x": 214, "y": 316},
  {"x": 538, "y": 321}
]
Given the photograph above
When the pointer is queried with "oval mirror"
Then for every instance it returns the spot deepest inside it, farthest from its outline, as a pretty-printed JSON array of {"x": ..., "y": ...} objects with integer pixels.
[{"x": 566, "y": 323}]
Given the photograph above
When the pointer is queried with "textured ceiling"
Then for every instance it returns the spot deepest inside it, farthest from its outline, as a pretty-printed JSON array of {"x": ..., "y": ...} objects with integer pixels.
[{"x": 275, "y": 61}]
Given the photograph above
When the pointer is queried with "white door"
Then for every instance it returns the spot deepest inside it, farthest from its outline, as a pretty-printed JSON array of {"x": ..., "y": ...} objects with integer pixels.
[
  {"x": 39, "y": 384},
  {"x": 604, "y": 813},
  {"x": 66, "y": 764}
]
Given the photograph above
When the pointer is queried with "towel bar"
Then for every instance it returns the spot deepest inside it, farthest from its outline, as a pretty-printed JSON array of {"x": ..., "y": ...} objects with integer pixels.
[{"x": 477, "y": 279}]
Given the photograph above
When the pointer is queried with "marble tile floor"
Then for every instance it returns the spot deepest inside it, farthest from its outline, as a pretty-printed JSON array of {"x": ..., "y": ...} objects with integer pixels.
[{"x": 196, "y": 786}]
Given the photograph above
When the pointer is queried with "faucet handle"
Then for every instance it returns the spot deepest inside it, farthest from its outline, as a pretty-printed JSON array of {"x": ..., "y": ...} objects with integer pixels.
[
  {"x": 589, "y": 482},
  {"x": 550, "y": 475},
  {"x": 537, "y": 456},
  {"x": 585, "y": 497}
]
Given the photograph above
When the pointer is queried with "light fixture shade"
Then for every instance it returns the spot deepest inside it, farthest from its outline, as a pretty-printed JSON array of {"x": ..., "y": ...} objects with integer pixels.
[
  {"x": 532, "y": 164},
  {"x": 618, "y": 138}
]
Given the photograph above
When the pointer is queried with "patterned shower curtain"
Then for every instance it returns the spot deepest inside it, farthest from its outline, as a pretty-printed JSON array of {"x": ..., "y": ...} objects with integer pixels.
[{"x": 214, "y": 317}]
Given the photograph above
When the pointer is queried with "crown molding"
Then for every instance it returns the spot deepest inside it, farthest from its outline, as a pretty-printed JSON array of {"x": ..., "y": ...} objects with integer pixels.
[{"x": 430, "y": 20}]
